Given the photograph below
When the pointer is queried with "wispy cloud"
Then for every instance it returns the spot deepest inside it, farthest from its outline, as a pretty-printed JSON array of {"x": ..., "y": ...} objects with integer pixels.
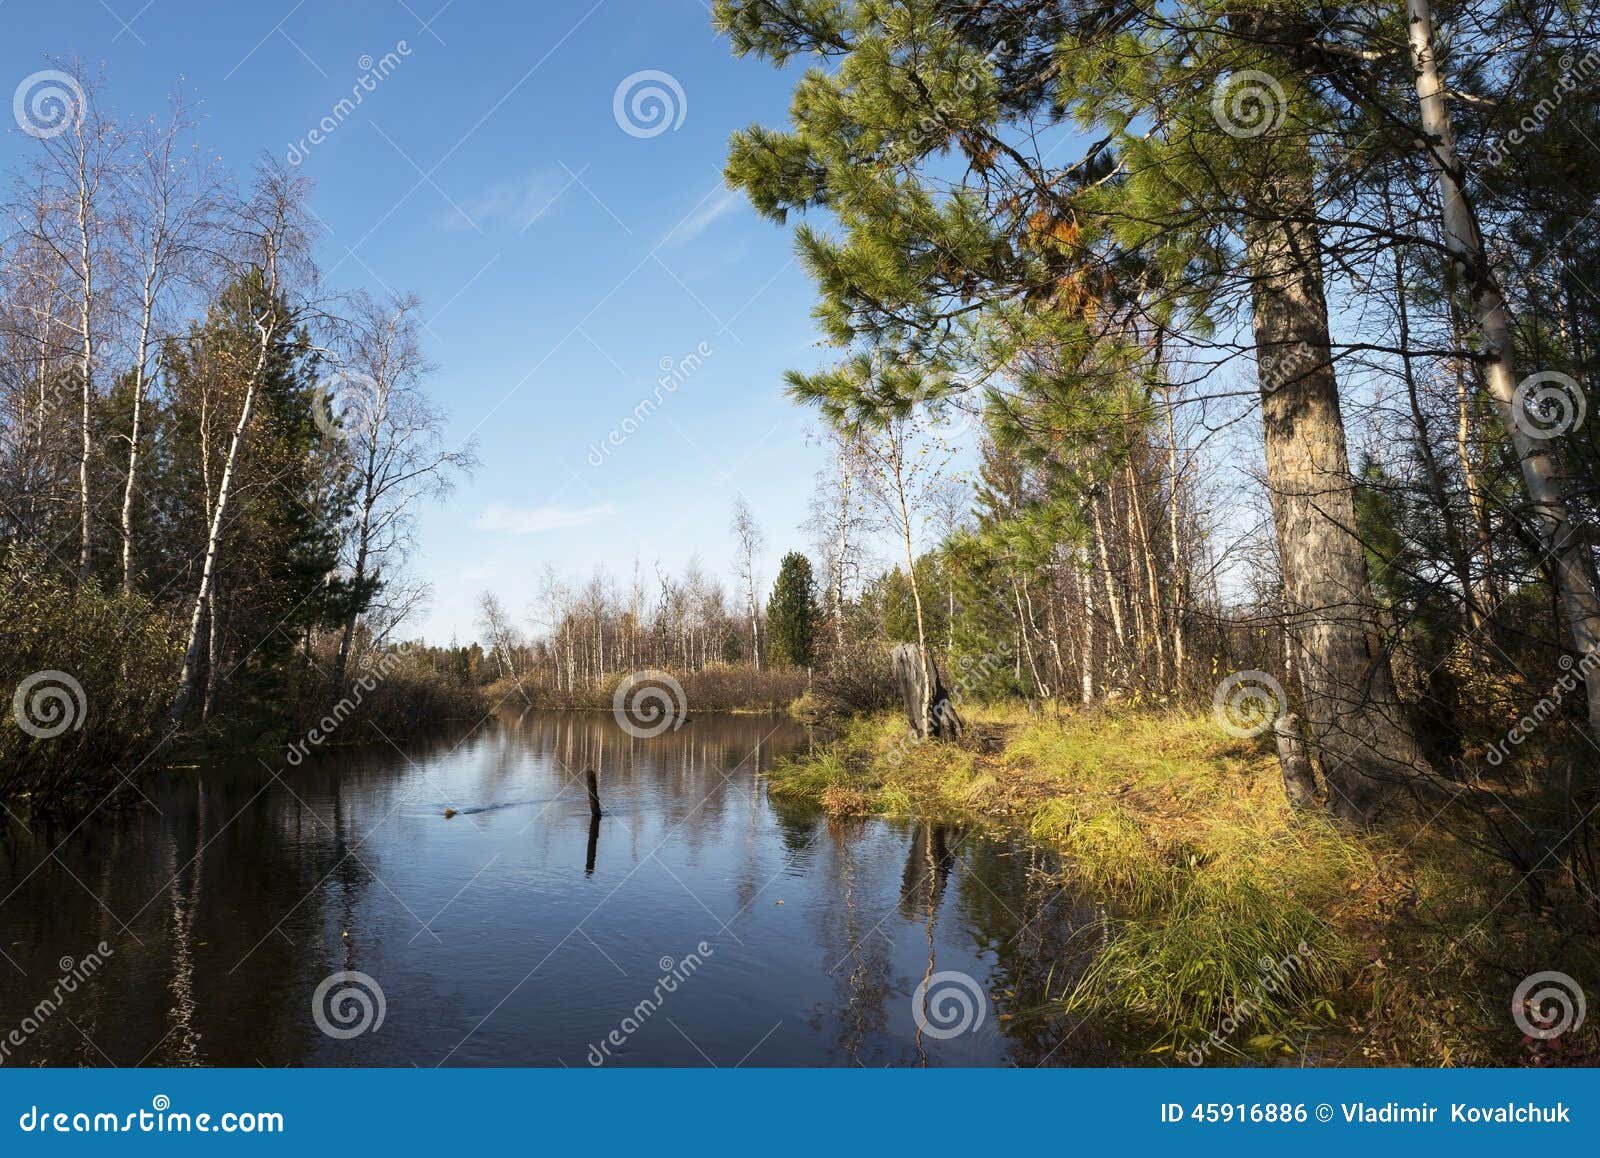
[
  {"x": 711, "y": 207},
  {"x": 512, "y": 520},
  {"x": 507, "y": 204}
]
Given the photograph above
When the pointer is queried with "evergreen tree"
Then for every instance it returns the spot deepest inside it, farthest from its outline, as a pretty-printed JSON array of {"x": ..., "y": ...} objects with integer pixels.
[
  {"x": 792, "y": 612},
  {"x": 1212, "y": 135}
]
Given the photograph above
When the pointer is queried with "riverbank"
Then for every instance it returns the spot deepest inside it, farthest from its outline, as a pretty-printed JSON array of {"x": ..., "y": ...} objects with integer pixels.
[
  {"x": 1237, "y": 930},
  {"x": 731, "y": 690}
]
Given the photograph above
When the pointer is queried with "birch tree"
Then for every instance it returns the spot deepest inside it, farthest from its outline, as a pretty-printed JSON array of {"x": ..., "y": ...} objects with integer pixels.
[
  {"x": 393, "y": 441},
  {"x": 164, "y": 220},
  {"x": 271, "y": 239},
  {"x": 1559, "y": 535},
  {"x": 748, "y": 542}
]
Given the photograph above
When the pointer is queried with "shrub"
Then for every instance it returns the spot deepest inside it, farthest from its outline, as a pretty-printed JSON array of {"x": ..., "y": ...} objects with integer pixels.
[{"x": 86, "y": 675}]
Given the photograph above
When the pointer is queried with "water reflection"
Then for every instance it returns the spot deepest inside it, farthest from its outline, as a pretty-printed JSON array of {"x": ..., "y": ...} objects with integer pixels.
[{"x": 521, "y": 929}]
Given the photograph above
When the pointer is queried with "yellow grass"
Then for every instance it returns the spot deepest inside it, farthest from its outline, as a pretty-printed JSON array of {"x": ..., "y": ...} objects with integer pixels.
[{"x": 1370, "y": 945}]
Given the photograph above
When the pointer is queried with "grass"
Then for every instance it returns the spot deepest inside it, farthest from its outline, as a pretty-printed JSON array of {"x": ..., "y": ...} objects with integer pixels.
[{"x": 1237, "y": 927}]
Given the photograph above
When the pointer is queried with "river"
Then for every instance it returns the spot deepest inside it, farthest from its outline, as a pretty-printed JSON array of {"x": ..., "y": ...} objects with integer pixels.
[{"x": 250, "y": 912}]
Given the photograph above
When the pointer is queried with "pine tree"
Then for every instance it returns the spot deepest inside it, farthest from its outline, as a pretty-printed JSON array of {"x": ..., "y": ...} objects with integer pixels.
[{"x": 960, "y": 245}]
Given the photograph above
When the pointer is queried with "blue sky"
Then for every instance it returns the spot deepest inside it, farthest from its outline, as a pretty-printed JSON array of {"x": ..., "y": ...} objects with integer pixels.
[{"x": 562, "y": 260}]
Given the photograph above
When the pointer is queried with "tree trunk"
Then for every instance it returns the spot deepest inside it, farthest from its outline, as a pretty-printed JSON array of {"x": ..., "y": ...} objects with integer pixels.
[
  {"x": 1154, "y": 588},
  {"x": 1352, "y": 714},
  {"x": 202, "y": 601},
  {"x": 86, "y": 369},
  {"x": 1558, "y": 535},
  {"x": 134, "y": 434},
  {"x": 929, "y": 709},
  {"x": 1086, "y": 687},
  {"x": 348, "y": 634},
  {"x": 1180, "y": 567},
  {"x": 1299, "y": 785}
]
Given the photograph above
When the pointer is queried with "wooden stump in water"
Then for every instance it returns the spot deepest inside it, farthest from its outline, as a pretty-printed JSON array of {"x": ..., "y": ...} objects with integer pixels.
[
  {"x": 914, "y": 677},
  {"x": 1299, "y": 785},
  {"x": 593, "y": 779}
]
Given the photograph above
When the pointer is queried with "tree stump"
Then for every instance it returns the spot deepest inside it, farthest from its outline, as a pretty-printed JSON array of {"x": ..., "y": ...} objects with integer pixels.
[{"x": 914, "y": 677}]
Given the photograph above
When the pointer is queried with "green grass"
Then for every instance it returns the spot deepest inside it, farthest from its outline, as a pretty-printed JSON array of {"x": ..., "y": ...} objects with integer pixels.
[{"x": 1237, "y": 927}]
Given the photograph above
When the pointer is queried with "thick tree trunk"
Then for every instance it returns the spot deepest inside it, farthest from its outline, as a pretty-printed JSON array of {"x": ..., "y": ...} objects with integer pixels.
[
  {"x": 1299, "y": 785},
  {"x": 1352, "y": 716},
  {"x": 1552, "y": 520}
]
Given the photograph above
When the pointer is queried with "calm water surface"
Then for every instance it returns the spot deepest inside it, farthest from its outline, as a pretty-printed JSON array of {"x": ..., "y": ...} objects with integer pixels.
[{"x": 516, "y": 933}]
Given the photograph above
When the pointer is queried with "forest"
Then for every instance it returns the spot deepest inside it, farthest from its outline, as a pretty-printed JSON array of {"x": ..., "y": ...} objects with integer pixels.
[
  {"x": 210, "y": 464},
  {"x": 1080, "y": 266}
]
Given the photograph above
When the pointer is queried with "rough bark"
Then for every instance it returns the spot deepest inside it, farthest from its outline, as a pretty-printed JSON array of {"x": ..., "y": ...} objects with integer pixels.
[
  {"x": 1352, "y": 715},
  {"x": 1299, "y": 785}
]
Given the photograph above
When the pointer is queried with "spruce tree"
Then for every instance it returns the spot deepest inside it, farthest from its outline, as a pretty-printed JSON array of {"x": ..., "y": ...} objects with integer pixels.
[{"x": 792, "y": 612}]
